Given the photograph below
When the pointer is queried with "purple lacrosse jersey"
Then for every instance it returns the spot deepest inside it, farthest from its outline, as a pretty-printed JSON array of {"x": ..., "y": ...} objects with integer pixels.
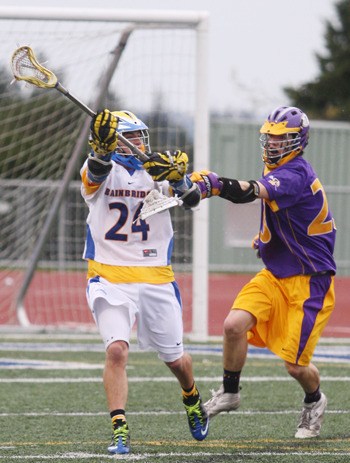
[{"x": 297, "y": 231}]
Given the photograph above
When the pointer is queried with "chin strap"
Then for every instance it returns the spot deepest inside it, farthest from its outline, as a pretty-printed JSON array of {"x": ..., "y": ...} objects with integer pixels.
[{"x": 284, "y": 160}]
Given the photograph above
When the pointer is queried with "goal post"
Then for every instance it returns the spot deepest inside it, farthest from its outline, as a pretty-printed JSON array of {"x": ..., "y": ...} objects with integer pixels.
[{"x": 162, "y": 77}]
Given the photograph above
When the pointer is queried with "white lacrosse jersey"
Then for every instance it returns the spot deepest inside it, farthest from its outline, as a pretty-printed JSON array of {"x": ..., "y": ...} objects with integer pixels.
[{"x": 115, "y": 236}]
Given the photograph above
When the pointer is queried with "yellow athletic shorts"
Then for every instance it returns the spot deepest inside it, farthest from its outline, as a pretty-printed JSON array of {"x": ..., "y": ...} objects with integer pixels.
[{"x": 291, "y": 313}]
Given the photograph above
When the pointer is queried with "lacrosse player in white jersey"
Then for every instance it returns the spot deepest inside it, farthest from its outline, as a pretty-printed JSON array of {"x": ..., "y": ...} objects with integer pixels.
[{"x": 129, "y": 268}]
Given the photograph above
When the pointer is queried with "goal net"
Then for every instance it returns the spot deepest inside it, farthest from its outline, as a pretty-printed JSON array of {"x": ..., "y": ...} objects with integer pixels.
[{"x": 161, "y": 77}]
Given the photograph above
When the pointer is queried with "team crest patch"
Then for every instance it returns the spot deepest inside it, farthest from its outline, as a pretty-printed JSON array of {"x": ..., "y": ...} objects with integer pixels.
[
  {"x": 274, "y": 181},
  {"x": 150, "y": 253}
]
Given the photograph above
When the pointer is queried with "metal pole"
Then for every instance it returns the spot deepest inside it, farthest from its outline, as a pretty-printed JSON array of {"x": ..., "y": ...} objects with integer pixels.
[{"x": 200, "y": 288}]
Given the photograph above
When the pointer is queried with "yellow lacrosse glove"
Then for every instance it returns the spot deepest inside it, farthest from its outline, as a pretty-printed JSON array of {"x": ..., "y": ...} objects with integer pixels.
[
  {"x": 103, "y": 132},
  {"x": 169, "y": 165}
]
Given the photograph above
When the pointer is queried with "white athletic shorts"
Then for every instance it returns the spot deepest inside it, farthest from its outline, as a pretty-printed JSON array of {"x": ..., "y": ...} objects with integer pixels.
[{"x": 156, "y": 308}]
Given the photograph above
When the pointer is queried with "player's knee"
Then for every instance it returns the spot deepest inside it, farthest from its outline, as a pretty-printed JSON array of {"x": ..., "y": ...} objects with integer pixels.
[
  {"x": 237, "y": 323},
  {"x": 117, "y": 353},
  {"x": 295, "y": 371},
  {"x": 233, "y": 331},
  {"x": 175, "y": 364},
  {"x": 181, "y": 363}
]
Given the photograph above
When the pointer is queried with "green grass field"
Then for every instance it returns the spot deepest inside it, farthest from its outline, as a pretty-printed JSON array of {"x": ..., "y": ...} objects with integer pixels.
[{"x": 53, "y": 407}]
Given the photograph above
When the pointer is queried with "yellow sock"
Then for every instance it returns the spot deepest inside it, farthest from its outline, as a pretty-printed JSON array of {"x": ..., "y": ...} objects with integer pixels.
[
  {"x": 118, "y": 420},
  {"x": 192, "y": 393}
]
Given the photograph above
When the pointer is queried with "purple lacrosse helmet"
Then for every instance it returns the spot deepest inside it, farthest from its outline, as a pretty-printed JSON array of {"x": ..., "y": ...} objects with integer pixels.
[{"x": 292, "y": 127}]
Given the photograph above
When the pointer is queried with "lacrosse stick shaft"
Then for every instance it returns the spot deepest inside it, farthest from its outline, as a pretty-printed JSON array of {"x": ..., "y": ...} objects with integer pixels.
[
  {"x": 75, "y": 100},
  {"x": 138, "y": 153}
]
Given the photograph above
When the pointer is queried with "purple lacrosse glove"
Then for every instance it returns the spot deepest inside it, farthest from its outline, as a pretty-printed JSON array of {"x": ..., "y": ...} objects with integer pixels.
[{"x": 208, "y": 182}]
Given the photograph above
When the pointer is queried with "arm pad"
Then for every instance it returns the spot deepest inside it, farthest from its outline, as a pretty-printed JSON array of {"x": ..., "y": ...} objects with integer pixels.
[
  {"x": 98, "y": 170},
  {"x": 232, "y": 191}
]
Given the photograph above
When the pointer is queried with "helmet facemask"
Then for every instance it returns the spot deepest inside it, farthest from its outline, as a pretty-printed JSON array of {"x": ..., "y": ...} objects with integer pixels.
[
  {"x": 139, "y": 138},
  {"x": 277, "y": 147}
]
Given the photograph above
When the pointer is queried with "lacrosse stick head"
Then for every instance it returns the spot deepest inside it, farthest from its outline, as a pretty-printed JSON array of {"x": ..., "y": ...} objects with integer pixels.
[
  {"x": 26, "y": 67},
  {"x": 156, "y": 202}
]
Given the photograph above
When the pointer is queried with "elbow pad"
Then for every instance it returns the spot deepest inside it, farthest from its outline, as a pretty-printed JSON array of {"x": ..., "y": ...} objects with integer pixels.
[{"x": 232, "y": 191}]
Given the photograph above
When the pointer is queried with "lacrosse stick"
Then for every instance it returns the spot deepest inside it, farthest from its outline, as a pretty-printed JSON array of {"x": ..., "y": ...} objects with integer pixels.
[
  {"x": 157, "y": 202},
  {"x": 26, "y": 67}
]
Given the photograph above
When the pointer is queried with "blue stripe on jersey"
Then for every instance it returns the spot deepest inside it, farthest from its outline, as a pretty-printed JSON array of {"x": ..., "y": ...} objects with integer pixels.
[
  {"x": 177, "y": 293},
  {"x": 92, "y": 280},
  {"x": 90, "y": 245},
  {"x": 170, "y": 251}
]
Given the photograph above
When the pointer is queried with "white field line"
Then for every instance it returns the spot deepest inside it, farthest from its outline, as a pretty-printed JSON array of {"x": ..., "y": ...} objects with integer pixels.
[
  {"x": 23, "y": 364},
  {"x": 165, "y": 379},
  {"x": 165, "y": 413},
  {"x": 172, "y": 455}
]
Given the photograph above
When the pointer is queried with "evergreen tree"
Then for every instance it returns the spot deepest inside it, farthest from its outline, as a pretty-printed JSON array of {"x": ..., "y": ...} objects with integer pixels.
[{"x": 328, "y": 96}]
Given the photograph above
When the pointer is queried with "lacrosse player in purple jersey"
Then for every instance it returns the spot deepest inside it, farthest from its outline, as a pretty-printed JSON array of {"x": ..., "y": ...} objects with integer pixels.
[
  {"x": 286, "y": 306},
  {"x": 129, "y": 268}
]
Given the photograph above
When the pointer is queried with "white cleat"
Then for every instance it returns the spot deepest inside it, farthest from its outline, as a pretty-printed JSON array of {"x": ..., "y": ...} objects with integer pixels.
[
  {"x": 222, "y": 402},
  {"x": 311, "y": 419}
]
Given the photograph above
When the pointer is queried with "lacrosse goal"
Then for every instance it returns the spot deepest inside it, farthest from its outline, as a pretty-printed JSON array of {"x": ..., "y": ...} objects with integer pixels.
[{"x": 161, "y": 75}]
